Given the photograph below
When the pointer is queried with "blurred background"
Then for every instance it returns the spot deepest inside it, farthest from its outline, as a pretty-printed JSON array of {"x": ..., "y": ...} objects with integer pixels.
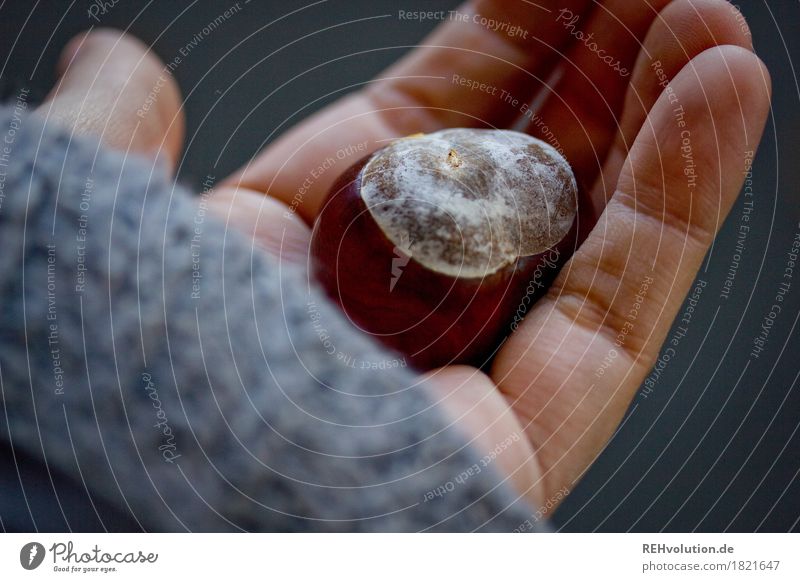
[{"x": 711, "y": 442}]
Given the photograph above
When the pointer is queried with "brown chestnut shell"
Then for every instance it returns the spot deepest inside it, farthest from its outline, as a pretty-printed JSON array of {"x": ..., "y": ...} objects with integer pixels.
[{"x": 432, "y": 318}]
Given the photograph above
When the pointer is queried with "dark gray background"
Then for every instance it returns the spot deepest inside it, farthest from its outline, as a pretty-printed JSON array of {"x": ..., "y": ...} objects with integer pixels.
[{"x": 715, "y": 446}]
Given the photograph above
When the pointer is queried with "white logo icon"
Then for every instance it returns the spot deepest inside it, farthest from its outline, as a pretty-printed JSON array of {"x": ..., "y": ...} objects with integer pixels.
[{"x": 399, "y": 262}]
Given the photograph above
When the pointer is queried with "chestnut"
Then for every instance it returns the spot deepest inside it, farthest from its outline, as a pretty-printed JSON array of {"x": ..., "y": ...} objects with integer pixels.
[{"x": 436, "y": 243}]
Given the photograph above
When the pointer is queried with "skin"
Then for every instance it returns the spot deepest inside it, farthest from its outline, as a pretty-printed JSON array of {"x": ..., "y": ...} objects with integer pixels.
[{"x": 619, "y": 133}]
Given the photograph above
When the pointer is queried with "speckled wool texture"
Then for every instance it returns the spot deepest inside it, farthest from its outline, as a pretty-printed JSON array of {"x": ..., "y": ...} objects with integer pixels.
[{"x": 220, "y": 412}]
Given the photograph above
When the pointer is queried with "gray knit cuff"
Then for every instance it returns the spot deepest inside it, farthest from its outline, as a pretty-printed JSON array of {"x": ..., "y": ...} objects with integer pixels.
[{"x": 194, "y": 382}]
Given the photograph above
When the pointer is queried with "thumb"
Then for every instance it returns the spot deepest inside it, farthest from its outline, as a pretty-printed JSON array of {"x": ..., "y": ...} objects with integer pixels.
[{"x": 113, "y": 86}]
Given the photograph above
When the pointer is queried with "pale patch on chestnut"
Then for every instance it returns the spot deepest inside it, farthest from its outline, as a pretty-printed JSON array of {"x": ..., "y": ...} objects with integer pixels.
[{"x": 472, "y": 200}]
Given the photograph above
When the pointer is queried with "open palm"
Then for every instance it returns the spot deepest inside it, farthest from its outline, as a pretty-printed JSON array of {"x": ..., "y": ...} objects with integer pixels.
[{"x": 655, "y": 104}]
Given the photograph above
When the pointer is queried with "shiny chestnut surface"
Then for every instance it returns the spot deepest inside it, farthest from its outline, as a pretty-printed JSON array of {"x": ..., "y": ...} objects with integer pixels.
[{"x": 400, "y": 291}]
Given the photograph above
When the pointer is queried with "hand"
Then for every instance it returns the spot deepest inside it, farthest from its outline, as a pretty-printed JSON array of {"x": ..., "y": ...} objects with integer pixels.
[{"x": 663, "y": 165}]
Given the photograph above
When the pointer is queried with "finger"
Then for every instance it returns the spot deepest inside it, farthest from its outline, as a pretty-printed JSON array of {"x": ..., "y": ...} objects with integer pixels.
[
  {"x": 113, "y": 86},
  {"x": 469, "y": 397},
  {"x": 583, "y": 110},
  {"x": 573, "y": 366},
  {"x": 270, "y": 224},
  {"x": 506, "y": 46},
  {"x": 683, "y": 30},
  {"x": 419, "y": 95}
]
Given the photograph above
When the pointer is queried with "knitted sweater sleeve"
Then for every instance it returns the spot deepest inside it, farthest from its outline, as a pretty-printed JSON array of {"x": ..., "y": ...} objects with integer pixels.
[{"x": 195, "y": 383}]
